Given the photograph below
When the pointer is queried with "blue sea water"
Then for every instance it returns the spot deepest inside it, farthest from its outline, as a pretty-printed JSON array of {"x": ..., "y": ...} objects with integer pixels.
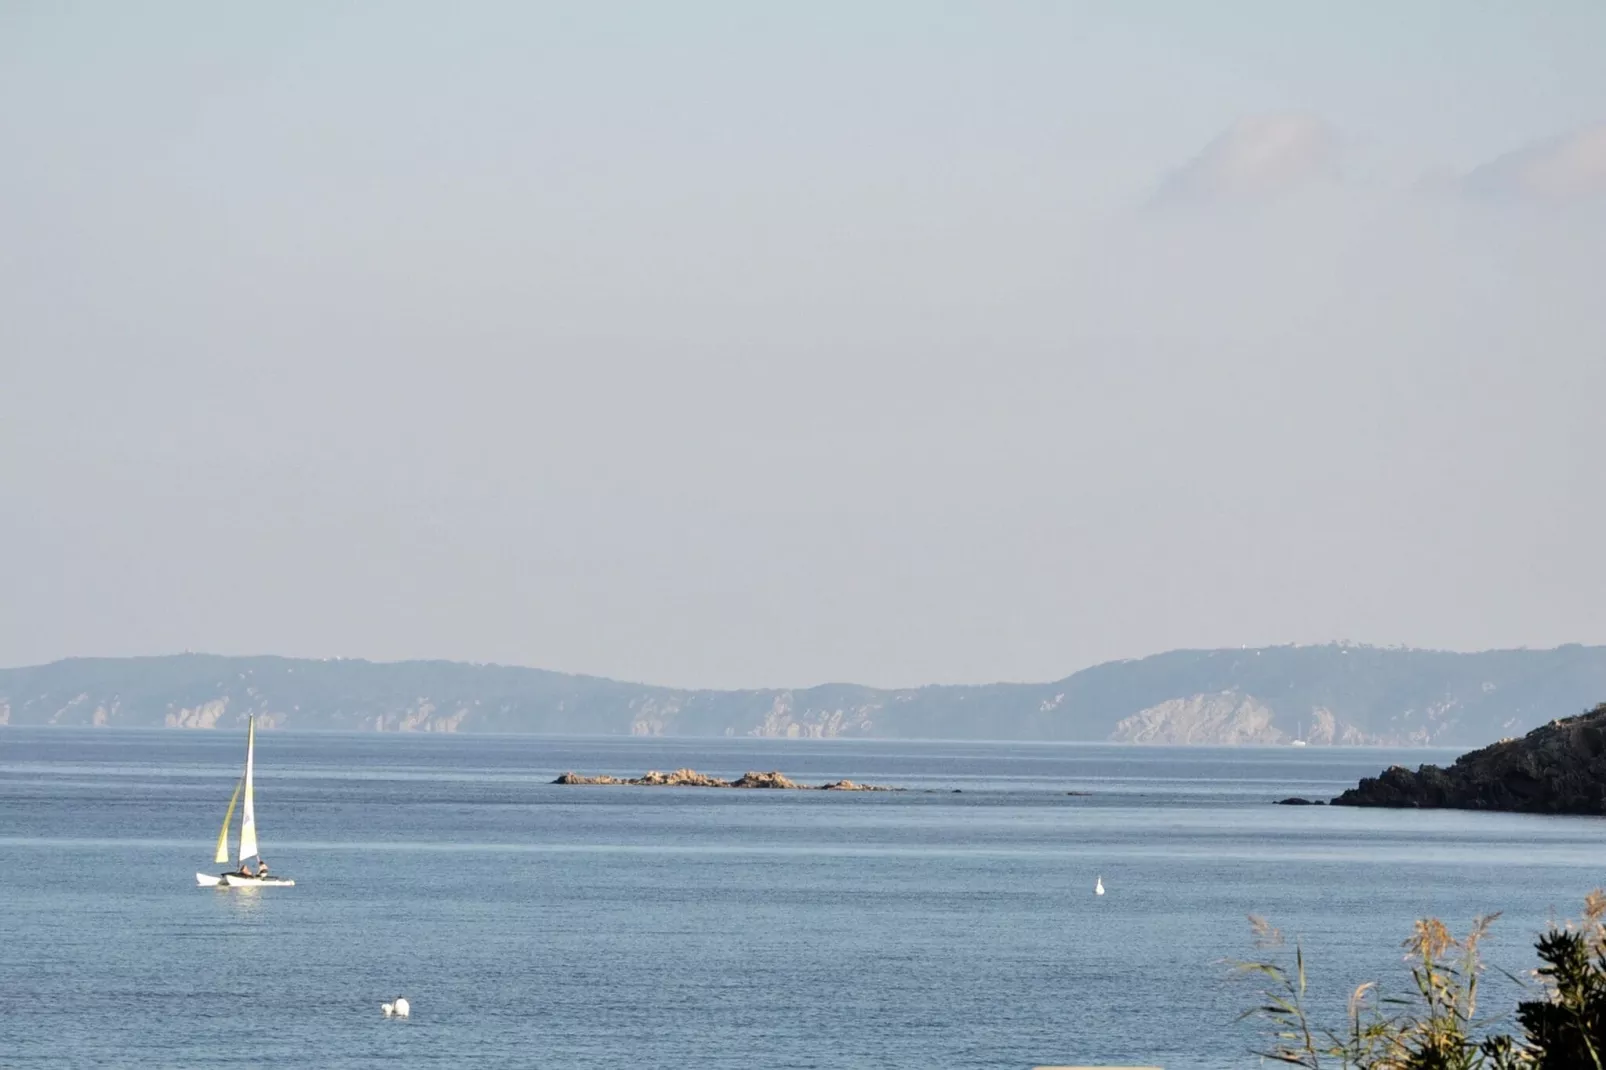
[{"x": 538, "y": 925}]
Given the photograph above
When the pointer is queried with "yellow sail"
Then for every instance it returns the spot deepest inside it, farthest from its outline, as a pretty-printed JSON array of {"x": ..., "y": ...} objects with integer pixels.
[
  {"x": 248, "y": 817},
  {"x": 223, "y": 837}
]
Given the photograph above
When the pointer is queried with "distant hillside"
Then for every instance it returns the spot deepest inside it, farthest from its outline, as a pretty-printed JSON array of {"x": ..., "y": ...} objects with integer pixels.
[{"x": 1334, "y": 694}]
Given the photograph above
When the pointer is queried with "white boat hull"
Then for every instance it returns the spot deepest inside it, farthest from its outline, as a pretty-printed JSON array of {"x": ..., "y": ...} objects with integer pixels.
[{"x": 234, "y": 880}]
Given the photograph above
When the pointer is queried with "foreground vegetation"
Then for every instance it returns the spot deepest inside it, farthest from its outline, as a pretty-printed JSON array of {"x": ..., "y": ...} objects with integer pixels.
[{"x": 1437, "y": 1024}]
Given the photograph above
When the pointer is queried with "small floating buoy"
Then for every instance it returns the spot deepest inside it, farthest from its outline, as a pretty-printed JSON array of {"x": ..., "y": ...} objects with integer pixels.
[
  {"x": 1098, "y": 885},
  {"x": 400, "y": 1009}
]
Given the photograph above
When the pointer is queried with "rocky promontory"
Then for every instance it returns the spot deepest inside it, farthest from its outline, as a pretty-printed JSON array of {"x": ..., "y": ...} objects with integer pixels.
[
  {"x": 691, "y": 778},
  {"x": 1559, "y": 768}
]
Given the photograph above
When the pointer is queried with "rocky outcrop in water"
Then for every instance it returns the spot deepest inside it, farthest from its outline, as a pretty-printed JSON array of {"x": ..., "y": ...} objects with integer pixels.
[
  {"x": 691, "y": 778},
  {"x": 1559, "y": 768}
]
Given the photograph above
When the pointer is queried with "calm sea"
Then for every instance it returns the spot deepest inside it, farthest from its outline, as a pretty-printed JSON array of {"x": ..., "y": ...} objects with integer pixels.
[{"x": 545, "y": 926}]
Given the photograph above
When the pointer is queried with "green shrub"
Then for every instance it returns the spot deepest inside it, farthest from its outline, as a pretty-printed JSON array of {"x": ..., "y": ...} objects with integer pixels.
[{"x": 1435, "y": 1024}]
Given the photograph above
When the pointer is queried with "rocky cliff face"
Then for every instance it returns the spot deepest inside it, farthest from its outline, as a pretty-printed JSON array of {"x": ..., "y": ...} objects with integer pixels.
[
  {"x": 1231, "y": 717},
  {"x": 1335, "y": 694},
  {"x": 784, "y": 720},
  {"x": 1227, "y": 717},
  {"x": 1559, "y": 768}
]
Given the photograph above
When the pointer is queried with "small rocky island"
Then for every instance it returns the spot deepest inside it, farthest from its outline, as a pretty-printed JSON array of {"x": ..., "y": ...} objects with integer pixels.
[
  {"x": 1559, "y": 768},
  {"x": 691, "y": 778}
]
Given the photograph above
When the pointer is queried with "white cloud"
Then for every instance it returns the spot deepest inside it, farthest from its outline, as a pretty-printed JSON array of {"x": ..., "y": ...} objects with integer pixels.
[
  {"x": 1257, "y": 157},
  {"x": 1562, "y": 168}
]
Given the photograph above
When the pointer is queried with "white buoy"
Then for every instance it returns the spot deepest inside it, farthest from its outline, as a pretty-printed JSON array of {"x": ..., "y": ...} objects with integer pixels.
[
  {"x": 1098, "y": 885},
  {"x": 403, "y": 1008},
  {"x": 388, "y": 1008}
]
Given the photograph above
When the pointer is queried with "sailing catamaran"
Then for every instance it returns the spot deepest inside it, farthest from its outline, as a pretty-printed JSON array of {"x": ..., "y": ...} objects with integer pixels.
[{"x": 243, "y": 878}]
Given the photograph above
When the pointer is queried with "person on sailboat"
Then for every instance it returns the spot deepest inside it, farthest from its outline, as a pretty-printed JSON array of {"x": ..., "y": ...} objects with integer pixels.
[{"x": 262, "y": 868}]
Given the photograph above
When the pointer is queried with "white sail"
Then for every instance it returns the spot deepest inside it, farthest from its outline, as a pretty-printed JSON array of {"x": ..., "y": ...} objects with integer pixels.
[{"x": 248, "y": 817}]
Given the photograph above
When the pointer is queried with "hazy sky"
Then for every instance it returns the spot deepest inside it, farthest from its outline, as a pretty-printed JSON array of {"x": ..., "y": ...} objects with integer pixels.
[{"x": 730, "y": 344}]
